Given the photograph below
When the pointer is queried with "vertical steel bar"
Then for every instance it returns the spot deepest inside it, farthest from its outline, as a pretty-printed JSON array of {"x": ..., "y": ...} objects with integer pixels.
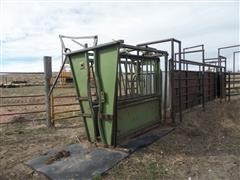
[
  {"x": 224, "y": 79},
  {"x": 52, "y": 110},
  {"x": 151, "y": 73},
  {"x": 180, "y": 81},
  {"x": 220, "y": 82},
  {"x": 120, "y": 77},
  {"x": 229, "y": 86},
  {"x": 94, "y": 79},
  {"x": 146, "y": 77},
  {"x": 184, "y": 58},
  {"x": 203, "y": 78},
  {"x": 126, "y": 77},
  {"x": 131, "y": 76},
  {"x": 142, "y": 78},
  {"x": 172, "y": 82},
  {"x": 234, "y": 53},
  {"x": 165, "y": 87},
  {"x": 187, "y": 99},
  {"x": 137, "y": 74},
  {"x": 155, "y": 77}
]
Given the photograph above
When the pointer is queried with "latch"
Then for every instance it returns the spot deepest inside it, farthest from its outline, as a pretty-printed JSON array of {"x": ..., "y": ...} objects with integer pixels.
[
  {"x": 82, "y": 65},
  {"x": 102, "y": 97}
]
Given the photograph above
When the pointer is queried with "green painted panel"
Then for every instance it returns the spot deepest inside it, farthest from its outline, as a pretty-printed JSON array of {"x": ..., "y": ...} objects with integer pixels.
[
  {"x": 79, "y": 66},
  {"x": 136, "y": 117},
  {"x": 106, "y": 69}
]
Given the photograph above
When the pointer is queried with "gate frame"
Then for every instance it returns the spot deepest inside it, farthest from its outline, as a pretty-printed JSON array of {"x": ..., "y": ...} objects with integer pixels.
[
  {"x": 172, "y": 42},
  {"x": 105, "y": 118},
  {"x": 225, "y": 72}
]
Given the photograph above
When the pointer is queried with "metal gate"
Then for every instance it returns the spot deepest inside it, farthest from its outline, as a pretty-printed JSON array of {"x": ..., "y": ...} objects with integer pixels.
[
  {"x": 232, "y": 84},
  {"x": 196, "y": 87},
  {"x": 232, "y": 76},
  {"x": 124, "y": 96},
  {"x": 195, "y": 83}
]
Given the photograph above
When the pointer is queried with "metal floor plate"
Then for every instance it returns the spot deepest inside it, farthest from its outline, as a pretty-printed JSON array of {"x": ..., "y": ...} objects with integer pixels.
[
  {"x": 85, "y": 163},
  {"x": 146, "y": 139}
]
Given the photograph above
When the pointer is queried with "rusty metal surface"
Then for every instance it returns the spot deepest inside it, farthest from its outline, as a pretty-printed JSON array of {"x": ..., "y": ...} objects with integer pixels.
[{"x": 191, "y": 88}]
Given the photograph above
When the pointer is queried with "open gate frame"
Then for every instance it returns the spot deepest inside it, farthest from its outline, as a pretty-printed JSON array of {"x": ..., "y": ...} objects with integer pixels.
[{"x": 123, "y": 97}]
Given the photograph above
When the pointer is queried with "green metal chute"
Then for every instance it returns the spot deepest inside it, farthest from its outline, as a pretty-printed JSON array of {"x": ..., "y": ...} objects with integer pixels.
[{"x": 127, "y": 88}]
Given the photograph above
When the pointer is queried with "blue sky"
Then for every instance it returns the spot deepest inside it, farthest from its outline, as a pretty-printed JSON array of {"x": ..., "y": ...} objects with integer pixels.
[{"x": 30, "y": 29}]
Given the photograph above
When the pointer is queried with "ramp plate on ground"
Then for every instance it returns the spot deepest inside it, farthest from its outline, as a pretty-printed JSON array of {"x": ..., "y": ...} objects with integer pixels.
[{"x": 85, "y": 163}]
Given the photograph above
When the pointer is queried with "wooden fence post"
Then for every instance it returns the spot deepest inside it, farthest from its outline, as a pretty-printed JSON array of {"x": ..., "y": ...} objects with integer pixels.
[{"x": 47, "y": 61}]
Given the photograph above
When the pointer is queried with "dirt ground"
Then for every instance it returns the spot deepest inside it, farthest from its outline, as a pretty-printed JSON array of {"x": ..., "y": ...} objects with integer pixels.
[
  {"x": 205, "y": 146},
  {"x": 22, "y": 141}
]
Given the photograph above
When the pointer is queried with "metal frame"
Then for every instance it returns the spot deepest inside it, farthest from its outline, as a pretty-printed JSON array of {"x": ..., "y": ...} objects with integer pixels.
[
  {"x": 176, "y": 71},
  {"x": 222, "y": 48},
  {"x": 128, "y": 92},
  {"x": 172, "y": 64},
  {"x": 203, "y": 87},
  {"x": 202, "y": 51},
  {"x": 127, "y": 85},
  {"x": 74, "y": 39},
  {"x": 228, "y": 79}
]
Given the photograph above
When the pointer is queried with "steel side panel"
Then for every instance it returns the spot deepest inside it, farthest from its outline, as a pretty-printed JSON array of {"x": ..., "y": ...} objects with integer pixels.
[
  {"x": 134, "y": 118},
  {"x": 81, "y": 81},
  {"x": 107, "y": 71}
]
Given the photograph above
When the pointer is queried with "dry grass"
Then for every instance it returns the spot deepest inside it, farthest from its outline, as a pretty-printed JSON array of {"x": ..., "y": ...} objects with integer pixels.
[
  {"x": 22, "y": 141},
  {"x": 205, "y": 146}
]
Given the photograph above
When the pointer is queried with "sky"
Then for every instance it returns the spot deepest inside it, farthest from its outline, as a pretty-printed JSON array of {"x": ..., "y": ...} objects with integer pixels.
[{"x": 30, "y": 29}]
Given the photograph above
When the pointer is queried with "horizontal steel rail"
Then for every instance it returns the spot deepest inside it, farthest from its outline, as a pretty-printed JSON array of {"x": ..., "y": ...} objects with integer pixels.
[
  {"x": 70, "y": 117},
  {"x": 63, "y": 112},
  {"x": 213, "y": 62},
  {"x": 158, "y": 41},
  {"x": 144, "y": 49},
  {"x": 30, "y": 112},
  {"x": 95, "y": 47},
  {"x": 29, "y": 96},
  {"x": 59, "y": 97},
  {"x": 192, "y": 47},
  {"x": 231, "y": 73},
  {"x": 209, "y": 59},
  {"x": 227, "y": 47},
  {"x": 136, "y": 57},
  {"x": 72, "y": 104},
  {"x": 78, "y": 37},
  {"x": 15, "y": 105},
  {"x": 64, "y": 87},
  {"x": 23, "y": 120},
  {"x": 198, "y": 63},
  {"x": 189, "y": 52},
  {"x": 234, "y": 87},
  {"x": 233, "y": 94}
]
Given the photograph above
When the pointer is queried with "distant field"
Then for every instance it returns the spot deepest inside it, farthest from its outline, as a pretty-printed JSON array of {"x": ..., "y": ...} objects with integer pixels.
[{"x": 31, "y": 78}]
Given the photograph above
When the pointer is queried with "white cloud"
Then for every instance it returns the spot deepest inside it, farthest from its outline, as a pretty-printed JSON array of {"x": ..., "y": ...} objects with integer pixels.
[{"x": 32, "y": 29}]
